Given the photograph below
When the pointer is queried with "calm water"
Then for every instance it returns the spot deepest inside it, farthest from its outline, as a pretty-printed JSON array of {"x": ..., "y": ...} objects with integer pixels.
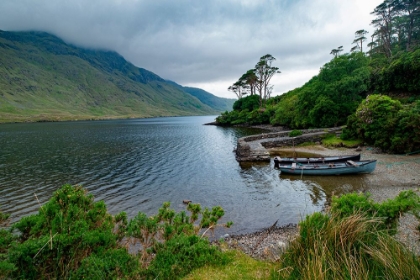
[{"x": 136, "y": 165}]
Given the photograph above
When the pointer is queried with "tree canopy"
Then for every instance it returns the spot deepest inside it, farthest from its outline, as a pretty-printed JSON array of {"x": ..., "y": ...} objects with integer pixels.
[
  {"x": 257, "y": 80},
  {"x": 388, "y": 65}
]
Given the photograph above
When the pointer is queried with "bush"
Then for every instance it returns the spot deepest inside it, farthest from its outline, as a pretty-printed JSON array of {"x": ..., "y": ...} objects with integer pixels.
[
  {"x": 109, "y": 264},
  {"x": 73, "y": 237},
  {"x": 389, "y": 210},
  {"x": 295, "y": 133},
  {"x": 6, "y": 241},
  {"x": 68, "y": 228},
  {"x": 249, "y": 103},
  {"x": 385, "y": 123},
  {"x": 4, "y": 217}
]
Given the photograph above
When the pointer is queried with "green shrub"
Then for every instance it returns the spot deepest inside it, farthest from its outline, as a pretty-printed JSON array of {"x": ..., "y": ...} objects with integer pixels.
[
  {"x": 108, "y": 264},
  {"x": 6, "y": 241},
  {"x": 181, "y": 254},
  {"x": 172, "y": 238},
  {"x": 385, "y": 123},
  {"x": 294, "y": 133},
  {"x": 3, "y": 217},
  {"x": 285, "y": 112},
  {"x": 389, "y": 210},
  {"x": 249, "y": 103},
  {"x": 68, "y": 228},
  {"x": 73, "y": 237}
]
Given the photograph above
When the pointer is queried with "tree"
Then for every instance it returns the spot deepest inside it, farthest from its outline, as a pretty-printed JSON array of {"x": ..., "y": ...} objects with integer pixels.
[
  {"x": 257, "y": 80},
  {"x": 250, "y": 79},
  {"x": 264, "y": 71},
  {"x": 360, "y": 38},
  {"x": 238, "y": 88},
  {"x": 336, "y": 52},
  {"x": 247, "y": 83},
  {"x": 355, "y": 48},
  {"x": 372, "y": 44},
  {"x": 409, "y": 10},
  {"x": 383, "y": 22}
]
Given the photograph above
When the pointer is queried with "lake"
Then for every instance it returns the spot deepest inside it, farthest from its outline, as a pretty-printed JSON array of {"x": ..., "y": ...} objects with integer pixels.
[{"x": 137, "y": 164}]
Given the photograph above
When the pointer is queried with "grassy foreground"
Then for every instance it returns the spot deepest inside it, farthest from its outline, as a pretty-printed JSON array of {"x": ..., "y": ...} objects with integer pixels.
[
  {"x": 354, "y": 240},
  {"x": 241, "y": 267},
  {"x": 73, "y": 237}
]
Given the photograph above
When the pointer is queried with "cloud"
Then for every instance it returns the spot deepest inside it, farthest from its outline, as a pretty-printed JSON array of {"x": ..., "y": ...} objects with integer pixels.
[{"x": 202, "y": 43}]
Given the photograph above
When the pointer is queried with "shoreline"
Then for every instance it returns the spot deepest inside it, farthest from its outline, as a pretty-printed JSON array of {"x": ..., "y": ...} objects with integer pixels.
[
  {"x": 393, "y": 174},
  {"x": 93, "y": 118}
]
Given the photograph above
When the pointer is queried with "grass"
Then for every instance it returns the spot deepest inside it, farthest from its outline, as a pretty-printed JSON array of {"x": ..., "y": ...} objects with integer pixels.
[
  {"x": 330, "y": 247},
  {"x": 306, "y": 144},
  {"x": 331, "y": 140},
  {"x": 242, "y": 267}
]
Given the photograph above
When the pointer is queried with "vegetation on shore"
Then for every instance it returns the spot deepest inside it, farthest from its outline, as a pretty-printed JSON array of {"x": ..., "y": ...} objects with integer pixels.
[
  {"x": 386, "y": 124},
  {"x": 73, "y": 237},
  {"x": 352, "y": 241},
  {"x": 331, "y": 140},
  {"x": 346, "y": 90}
]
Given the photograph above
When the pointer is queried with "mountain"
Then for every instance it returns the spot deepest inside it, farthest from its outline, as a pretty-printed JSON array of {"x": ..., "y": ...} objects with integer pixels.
[
  {"x": 42, "y": 78},
  {"x": 217, "y": 103}
]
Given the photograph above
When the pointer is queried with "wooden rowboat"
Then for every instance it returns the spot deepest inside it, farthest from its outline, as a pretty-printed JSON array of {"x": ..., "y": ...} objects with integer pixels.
[
  {"x": 289, "y": 160},
  {"x": 332, "y": 168}
]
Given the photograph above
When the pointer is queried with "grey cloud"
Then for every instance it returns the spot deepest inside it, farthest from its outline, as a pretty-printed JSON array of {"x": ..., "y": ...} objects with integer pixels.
[{"x": 192, "y": 41}]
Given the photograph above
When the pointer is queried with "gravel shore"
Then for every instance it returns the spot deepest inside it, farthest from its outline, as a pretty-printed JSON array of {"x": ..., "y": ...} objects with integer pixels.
[{"x": 393, "y": 174}]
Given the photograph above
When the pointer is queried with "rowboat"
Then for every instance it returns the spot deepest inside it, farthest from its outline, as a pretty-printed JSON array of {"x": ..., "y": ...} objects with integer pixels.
[
  {"x": 289, "y": 160},
  {"x": 332, "y": 168}
]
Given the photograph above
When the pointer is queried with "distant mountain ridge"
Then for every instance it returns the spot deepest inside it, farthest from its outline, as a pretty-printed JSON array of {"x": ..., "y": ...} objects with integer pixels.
[{"x": 42, "y": 78}]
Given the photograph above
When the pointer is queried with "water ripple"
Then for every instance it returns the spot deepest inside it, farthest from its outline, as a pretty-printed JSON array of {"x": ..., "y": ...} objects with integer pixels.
[{"x": 136, "y": 165}]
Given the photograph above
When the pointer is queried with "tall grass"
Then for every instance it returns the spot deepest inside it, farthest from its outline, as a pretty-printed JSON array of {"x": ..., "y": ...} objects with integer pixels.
[{"x": 353, "y": 247}]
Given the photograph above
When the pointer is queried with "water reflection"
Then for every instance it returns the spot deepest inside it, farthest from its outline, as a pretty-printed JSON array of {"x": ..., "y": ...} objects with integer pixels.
[
  {"x": 331, "y": 185},
  {"x": 136, "y": 165}
]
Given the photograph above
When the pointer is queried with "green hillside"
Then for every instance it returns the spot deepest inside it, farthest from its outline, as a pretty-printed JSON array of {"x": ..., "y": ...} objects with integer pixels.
[
  {"x": 209, "y": 99},
  {"x": 44, "y": 79},
  {"x": 217, "y": 103}
]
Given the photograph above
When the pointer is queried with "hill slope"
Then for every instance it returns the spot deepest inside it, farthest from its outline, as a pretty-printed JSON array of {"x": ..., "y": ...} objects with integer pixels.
[
  {"x": 43, "y": 78},
  {"x": 217, "y": 103}
]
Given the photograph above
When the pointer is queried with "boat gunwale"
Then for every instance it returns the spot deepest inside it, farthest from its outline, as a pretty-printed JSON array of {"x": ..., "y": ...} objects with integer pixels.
[
  {"x": 329, "y": 168},
  {"x": 321, "y": 159}
]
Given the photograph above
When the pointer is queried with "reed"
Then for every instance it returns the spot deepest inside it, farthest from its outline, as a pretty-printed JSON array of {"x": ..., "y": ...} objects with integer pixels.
[{"x": 354, "y": 247}]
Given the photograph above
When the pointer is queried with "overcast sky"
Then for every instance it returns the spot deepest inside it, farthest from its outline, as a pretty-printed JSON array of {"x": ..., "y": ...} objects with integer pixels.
[{"x": 202, "y": 43}]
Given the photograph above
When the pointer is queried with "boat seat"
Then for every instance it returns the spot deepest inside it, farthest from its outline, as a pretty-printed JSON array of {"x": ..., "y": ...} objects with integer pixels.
[
  {"x": 294, "y": 165},
  {"x": 352, "y": 163}
]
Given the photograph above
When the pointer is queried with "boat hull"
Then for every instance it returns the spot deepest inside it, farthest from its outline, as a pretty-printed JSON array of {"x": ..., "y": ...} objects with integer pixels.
[
  {"x": 340, "y": 168},
  {"x": 279, "y": 160}
]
